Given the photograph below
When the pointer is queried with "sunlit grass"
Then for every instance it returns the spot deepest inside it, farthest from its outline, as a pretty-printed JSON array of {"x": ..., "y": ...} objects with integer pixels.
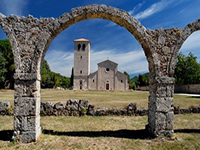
[
  {"x": 186, "y": 126},
  {"x": 64, "y": 126}
]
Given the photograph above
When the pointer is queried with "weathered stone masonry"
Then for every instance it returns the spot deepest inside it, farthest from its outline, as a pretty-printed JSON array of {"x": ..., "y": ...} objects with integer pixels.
[{"x": 30, "y": 38}]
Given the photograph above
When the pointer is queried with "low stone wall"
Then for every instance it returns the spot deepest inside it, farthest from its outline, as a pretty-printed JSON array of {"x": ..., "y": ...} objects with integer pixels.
[
  {"x": 191, "y": 88},
  {"x": 5, "y": 108},
  {"x": 143, "y": 88},
  {"x": 75, "y": 107}
]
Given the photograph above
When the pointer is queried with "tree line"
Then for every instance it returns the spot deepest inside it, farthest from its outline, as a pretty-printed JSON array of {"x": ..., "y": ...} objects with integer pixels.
[
  {"x": 187, "y": 71},
  {"x": 7, "y": 68}
]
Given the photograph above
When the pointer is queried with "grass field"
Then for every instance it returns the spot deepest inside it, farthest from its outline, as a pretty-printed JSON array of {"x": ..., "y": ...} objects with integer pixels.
[
  {"x": 103, "y": 99},
  {"x": 110, "y": 132}
]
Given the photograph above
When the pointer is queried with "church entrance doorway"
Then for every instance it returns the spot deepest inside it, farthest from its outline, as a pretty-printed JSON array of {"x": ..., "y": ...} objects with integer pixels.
[
  {"x": 81, "y": 83},
  {"x": 107, "y": 85}
]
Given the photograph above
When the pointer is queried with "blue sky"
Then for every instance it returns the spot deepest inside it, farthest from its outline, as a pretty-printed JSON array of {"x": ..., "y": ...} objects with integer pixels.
[{"x": 109, "y": 40}]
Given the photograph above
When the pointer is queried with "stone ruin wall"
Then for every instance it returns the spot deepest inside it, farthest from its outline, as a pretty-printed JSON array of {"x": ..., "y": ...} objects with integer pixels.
[
  {"x": 74, "y": 107},
  {"x": 30, "y": 38}
]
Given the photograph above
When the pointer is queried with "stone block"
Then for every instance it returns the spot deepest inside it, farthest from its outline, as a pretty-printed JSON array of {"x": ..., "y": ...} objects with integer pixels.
[
  {"x": 83, "y": 104},
  {"x": 164, "y": 104},
  {"x": 25, "y": 76},
  {"x": 131, "y": 108},
  {"x": 26, "y": 106},
  {"x": 161, "y": 91},
  {"x": 160, "y": 121},
  {"x": 26, "y": 123},
  {"x": 123, "y": 112},
  {"x": 151, "y": 119},
  {"x": 163, "y": 80},
  {"x": 101, "y": 112},
  {"x": 142, "y": 112},
  {"x": 91, "y": 111},
  {"x": 169, "y": 120},
  {"x": 72, "y": 105},
  {"x": 4, "y": 107},
  {"x": 29, "y": 136},
  {"x": 46, "y": 108},
  {"x": 27, "y": 88},
  {"x": 170, "y": 90},
  {"x": 59, "y": 105}
]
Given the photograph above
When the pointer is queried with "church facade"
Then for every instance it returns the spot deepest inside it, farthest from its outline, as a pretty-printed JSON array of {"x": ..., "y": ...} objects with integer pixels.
[{"x": 107, "y": 77}]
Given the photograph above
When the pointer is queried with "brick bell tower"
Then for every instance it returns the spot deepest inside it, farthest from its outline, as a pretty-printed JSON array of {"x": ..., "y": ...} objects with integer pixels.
[{"x": 81, "y": 63}]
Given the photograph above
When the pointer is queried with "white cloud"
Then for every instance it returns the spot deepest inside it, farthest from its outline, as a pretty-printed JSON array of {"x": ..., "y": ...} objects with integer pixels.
[
  {"x": 136, "y": 8},
  {"x": 60, "y": 62},
  {"x": 131, "y": 62},
  {"x": 192, "y": 43},
  {"x": 155, "y": 8},
  {"x": 15, "y": 7}
]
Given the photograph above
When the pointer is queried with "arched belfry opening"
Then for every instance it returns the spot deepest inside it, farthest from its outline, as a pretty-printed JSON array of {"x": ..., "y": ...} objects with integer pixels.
[{"x": 30, "y": 45}]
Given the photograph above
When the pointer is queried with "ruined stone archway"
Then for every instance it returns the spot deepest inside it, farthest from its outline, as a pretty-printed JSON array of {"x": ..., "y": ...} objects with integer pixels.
[
  {"x": 183, "y": 35},
  {"x": 30, "y": 38}
]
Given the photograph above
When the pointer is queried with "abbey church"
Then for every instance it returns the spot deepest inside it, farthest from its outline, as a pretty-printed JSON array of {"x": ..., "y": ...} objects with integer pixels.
[{"x": 107, "y": 77}]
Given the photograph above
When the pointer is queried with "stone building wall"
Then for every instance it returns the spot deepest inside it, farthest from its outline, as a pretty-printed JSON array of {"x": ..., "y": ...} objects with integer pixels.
[
  {"x": 106, "y": 74},
  {"x": 78, "y": 79},
  {"x": 93, "y": 78},
  {"x": 81, "y": 63},
  {"x": 191, "y": 88},
  {"x": 121, "y": 82}
]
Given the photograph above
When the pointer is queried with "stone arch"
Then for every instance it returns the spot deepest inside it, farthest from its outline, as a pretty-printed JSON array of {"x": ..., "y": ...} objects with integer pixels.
[
  {"x": 187, "y": 31},
  {"x": 30, "y": 38},
  {"x": 120, "y": 17},
  {"x": 11, "y": 38}
]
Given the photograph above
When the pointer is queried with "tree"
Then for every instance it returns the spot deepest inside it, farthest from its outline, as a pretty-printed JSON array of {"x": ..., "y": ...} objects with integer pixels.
[
  {"x": 143, "y": 79},
  {"x": 2, "y": 70},
  {"x": 131, "y": 83},
  {"x": 187, "y": 70},
  {"x": 46, "y": 75},
  {"x": 6, "y": 50},
  {"x": 51, "y": 79}
]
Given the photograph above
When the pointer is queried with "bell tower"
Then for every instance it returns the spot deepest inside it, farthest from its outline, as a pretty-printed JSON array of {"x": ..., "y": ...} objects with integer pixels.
[{"x": 81, "y": 63}]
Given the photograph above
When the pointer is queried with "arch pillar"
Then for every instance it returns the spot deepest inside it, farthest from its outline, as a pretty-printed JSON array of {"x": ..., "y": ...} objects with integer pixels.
[
  {"x": 26, "y": 107},
  {"x": 164, "y": 46},
  {"x": 160, "y": 115}
]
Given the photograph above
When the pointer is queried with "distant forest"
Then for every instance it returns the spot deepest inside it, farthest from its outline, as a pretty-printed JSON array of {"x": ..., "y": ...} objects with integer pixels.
[
  {"x": 187, "y": 71},
  {"x": 7, "y": 68}
]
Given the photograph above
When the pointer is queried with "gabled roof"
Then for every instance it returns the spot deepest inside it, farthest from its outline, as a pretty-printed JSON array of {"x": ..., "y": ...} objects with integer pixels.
[
  {"x": 81, "y": 40},
  {"x": 109, "y": 61},
  {"x": 122, "y": 73}
]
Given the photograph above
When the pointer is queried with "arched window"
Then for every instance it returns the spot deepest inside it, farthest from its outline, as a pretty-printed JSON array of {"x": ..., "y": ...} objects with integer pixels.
[
  {"x": 81, "y": 72},
  {"x": 81, "y": 57},
  {"x": 83, "y": 47},
  {"x": 79, "y": 47}
]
